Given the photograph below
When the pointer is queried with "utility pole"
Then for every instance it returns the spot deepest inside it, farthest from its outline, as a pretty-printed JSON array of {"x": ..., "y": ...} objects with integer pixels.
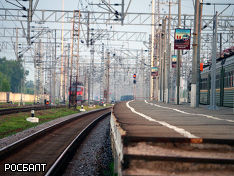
[
  {"x": 178, "y": 57},
  {"x": 160, "y": 64},
  {"x": 194, "y": 102},
  {"x": 85, "y": 82},
  {"x": 62, "y": 90},
  {"x": 64, "y": 77},
  {"x": 77, "y": 30},
  {"x": 142, "y": 78},
  {"x": 42, "y": 83},
  {"x": 114, "y": 76},
  {"x": 157, "y": 55},
  {"x": 67, "y": 70},
  {"x": 149, "y": 73},
  {"x": 198, "y": 56},
  {"x": 39, "y": 74},
  {"x": 75, "y": 53},
  {"x": 71, "y": 65},
  {"x": 89, "y": 83},
  {"x": 164, "y": 57},
  {"x": 54, "y": 66},
  {"x": 29, "y": 21},
  {"x": 92, "y": 63},
  {"x": 122, "y": 13},
  {"x": 108, "y": 78},
  {"x": 16, "y": 45},
  {"x": 136, "y": 72},
  {"x": 168, "y": 56},
  {"x": 87, "y": 42},
  {"x": 102, "y": 72},
  {"x": 220, "y": 44},
  {"x": 213, "y": 66},
  {"x": 92, "y": 69},
  {"x": 50, "y": 72},
  {"x": 152, "y": 82}
]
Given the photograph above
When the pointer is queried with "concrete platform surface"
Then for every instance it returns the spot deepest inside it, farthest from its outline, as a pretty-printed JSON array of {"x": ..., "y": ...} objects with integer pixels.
[
  {"x": 145, "y": 118},
  {"x": 151, "y": 138}
]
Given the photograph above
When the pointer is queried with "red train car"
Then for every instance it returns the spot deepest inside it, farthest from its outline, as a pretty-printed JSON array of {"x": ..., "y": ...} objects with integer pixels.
[{"x": 76, "y": 93}]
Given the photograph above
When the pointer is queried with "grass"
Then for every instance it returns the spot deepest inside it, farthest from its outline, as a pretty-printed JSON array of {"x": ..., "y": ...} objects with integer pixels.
[
  {"x": 110, "y": 172},
  {"x": 16, "y": 103},
  {"x": 14, "y": 123}
]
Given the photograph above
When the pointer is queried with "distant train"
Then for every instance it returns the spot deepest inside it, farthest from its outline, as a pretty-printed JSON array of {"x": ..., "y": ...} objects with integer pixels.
[
  {"x": 224, "y": 82},
  {"x": 127, "y": 98},
  {"x": 76, "y": 93}
]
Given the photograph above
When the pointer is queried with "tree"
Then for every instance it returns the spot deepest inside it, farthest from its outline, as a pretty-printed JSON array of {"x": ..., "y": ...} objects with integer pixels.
[
  {"x": 4, "y": 83},
  {"x": 29, "y": 87},
  {"x": 14, "y": 73}
]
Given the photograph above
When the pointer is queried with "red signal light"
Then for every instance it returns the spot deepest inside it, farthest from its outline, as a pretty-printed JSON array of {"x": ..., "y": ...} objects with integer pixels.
[
  {"x": 201, "y": 66},
  {"x": 134, "y": 75}
]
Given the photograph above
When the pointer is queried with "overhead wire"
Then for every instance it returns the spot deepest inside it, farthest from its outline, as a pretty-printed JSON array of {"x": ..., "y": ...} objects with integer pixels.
[
  {"x": 35, "y": 6},
  {"x": 126, "y": 9},
  {"x": 13, "y": 23},
  {"x": 108, "y": 6},
  {"x": 9, "y": 13},
  {"x": 15, "y": 4}
]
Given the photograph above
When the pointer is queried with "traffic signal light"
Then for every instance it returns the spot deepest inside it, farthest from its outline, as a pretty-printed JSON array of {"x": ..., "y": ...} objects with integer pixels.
[
  {"x": 134, "y": 76},
  {"x": 201, "y": 66}
]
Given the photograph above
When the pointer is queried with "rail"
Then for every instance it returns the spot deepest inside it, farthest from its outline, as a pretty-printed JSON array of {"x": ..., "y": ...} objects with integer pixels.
[
  {"x": 51, "y": 145},
  {"x": 26, "y": 109}
]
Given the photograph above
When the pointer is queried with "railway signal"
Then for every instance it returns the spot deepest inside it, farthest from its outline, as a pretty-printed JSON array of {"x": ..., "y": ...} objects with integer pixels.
[
  {"x": 134, "y": 76},
  {"x": 201, "y": 67}
]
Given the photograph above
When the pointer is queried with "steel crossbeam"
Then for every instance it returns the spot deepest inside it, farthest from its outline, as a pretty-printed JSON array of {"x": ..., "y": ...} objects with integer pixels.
[
  {"x": 98, "y": 17},
  {"x": 103, "y": 34}
]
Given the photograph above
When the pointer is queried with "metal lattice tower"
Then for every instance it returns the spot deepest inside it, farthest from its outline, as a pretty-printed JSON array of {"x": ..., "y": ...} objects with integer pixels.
[
  {"x": 75, "y": 47},
  {"x": 48, "y": 65},
  {"x": 107, "y": 76},
  {"x": 39, "y": 76},
  {"x": 75, "y": 42},
  {"x": 102, "y": 73}
]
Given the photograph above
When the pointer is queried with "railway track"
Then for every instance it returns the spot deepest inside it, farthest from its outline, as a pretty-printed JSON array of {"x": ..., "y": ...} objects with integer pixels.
[
  {"x": 26, "y": 109},
  {"x": 48, "y": 149}
]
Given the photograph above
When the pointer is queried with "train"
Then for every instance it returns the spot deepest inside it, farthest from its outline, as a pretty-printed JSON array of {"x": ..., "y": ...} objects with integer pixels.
[
  {"x": 76, "y": 93},
  {"x": 224, "y": 81},
  {"x": 127, "y": 98}
]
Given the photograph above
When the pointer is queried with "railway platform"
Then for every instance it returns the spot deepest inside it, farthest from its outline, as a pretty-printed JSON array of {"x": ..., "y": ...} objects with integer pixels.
[{"x": 151, "y": 138}]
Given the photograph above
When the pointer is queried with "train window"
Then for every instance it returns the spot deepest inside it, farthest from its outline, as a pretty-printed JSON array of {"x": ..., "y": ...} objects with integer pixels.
[
  {"x": 232, "y": 79},
  {"x": 217, "y": 81},
  {"x": 74, "y": 89},
  {"x": 204, "y": 84},
  {"x": 228, "y": 79}
]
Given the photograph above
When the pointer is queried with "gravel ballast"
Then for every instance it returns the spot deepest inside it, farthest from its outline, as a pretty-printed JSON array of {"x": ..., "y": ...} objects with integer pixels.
[{"x": 94, "y": 156}]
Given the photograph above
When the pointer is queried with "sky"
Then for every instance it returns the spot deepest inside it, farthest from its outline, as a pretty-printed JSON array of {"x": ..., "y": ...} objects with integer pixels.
[
  {"x": 135, "y": 6},
  {"x": 138, "y": 6}
]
